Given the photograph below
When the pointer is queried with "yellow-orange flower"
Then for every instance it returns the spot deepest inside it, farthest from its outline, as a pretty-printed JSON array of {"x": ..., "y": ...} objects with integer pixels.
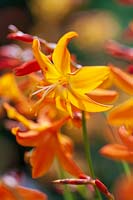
[
  {"x": 47, "y": 141},
  {"x": 61, "y": 84}
]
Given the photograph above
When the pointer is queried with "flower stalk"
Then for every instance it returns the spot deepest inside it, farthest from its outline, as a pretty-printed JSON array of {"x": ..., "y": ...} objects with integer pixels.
[{"x": 87, "y": 151}]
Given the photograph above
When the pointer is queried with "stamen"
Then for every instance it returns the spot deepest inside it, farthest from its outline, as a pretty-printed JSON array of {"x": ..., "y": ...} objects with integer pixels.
[
  {"x": 41, "y": 89},
  {"x": 46, "y": 89}
]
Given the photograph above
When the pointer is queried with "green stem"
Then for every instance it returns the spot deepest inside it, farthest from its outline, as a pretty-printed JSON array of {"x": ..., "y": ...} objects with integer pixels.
[
  {"x": 87, "y": 146},
  {"x": 126, "y": 168},
  {"x": 67, "y": 193},
  {"x": 87, "y": 152}
]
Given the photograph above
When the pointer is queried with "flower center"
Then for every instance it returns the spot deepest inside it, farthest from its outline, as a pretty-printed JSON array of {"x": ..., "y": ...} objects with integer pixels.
[{"x": 63, "y": 81}]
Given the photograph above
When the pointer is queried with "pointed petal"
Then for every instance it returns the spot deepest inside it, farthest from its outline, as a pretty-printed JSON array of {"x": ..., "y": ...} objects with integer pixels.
[
  {"x": 83, "y": 102},
  {"x": 28, "y": 138},
  {"x": 64, "y": 154},
  {"x": 122, "y": 114},
  {"x": 41, "y": 159},
  {"x": 117, "y": 152},
  {"x": 88, "y": 78},
  {"x": 46, "y": 66},
  {"x": 103, "y": 96},
  {"x": 30, "y": 194},
  {"x": 59, "y": 104},
  {"x": 123, "y": 80},
  {"x": 62, "y": 101},
  {"x": 61, "y": 55},
  {"x": 68, "y": 164}
]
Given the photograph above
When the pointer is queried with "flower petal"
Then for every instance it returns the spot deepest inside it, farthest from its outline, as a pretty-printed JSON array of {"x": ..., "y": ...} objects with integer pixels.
[
  {"x": 13, "y": 114},
  {"x": 122, "y": 114},
  {"x": 42, "y": 158},
  {"x": 88, "y": 78},
  {"x": 102, "y": 95},
  {"x": 8, "y": 83},
  {"x": 123, "y": 80},
  {"x": 62, "y": 101},
  {"x": 46, "y": 66},
  {"x": 126, "y": 138},
  {"x": 20, "y": 36},
  {"x": 83, "y": 102},
  {"x": 30, "y": 194},
  {"x": 6, "y": 193},
  {"x": 61, "y": 55},
  {"x": 124, "y": 185},
  {"x": 26, "y": 68},
  {"x": 59, "y": 104},
  {"x": 28, "y": 138},
  {"x": 65, "y": 158},
  {"x": 117, "y": 152},
  {"x": 66, "y": 143}
]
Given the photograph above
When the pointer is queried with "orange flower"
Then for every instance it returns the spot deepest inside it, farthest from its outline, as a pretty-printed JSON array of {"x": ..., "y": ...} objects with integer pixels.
[
  {"x": 11, "y": 190},
  {"x": 47, "y": 141}
]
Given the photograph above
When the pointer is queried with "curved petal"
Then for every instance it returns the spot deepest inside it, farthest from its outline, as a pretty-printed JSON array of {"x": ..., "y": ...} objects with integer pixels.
[
  {"x": 62, "y": 101},
  {"x": 122, "y": 114},
  {"x": 117, "y": 152},
  {"x": 46, "y": 66},
  {"x": 28, "y": 138},
  {"x": 61, "y": 55},
  {"x": 103, "y": 96},
  {"x": 30, "y": 194},
  {"x": 60, "y": 104},
  {"x": 123, "y": 80},
  {"x": 42, "y": 158},
  {"x": 83, "y": 102},
  {"x": 88, "y": 78}
]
